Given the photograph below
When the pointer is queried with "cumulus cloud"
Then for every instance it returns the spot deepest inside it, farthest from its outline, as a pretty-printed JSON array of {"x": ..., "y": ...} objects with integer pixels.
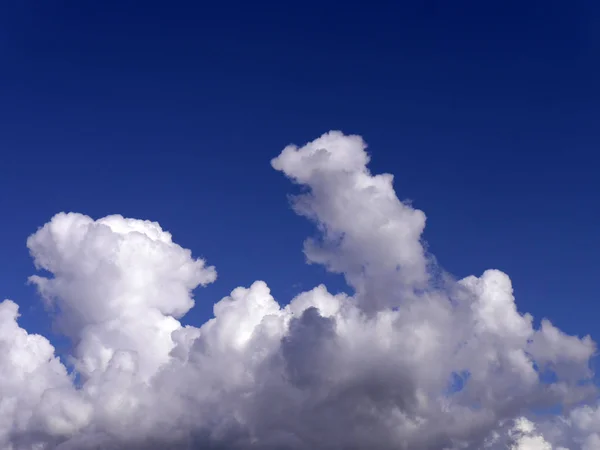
[
  {"x": 524, "y": 437},
  {"x": 411, "y": 360}
]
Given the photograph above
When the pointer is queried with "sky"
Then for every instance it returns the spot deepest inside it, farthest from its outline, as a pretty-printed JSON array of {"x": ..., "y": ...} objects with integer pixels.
[{"x": 485, "y": 112}]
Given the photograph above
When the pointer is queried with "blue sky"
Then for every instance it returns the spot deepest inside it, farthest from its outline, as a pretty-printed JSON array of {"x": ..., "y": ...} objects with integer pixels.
[{"x": 487, "y": 116}]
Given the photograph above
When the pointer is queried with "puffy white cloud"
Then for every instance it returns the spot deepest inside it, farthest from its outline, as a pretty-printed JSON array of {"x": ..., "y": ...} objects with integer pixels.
[
  {"x": 366, "y": 232},
  {"x": 524, "y": 437},
  {"x": 118, "y": 284},
  {"x": 411, "y": 360}
]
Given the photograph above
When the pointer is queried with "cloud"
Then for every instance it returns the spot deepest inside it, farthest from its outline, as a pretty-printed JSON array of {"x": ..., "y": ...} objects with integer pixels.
[
  {"x": 524, "y": 437},
  {"x": 118, "y": 284},
  {"x": 412, "y": 360}
]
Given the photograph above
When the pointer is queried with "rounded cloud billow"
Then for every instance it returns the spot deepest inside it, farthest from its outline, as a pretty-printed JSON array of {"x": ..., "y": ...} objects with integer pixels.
[{"x": 410, "y": 361}]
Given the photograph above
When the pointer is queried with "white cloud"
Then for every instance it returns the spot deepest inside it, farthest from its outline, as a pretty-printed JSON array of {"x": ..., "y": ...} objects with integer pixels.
[
  {"x": 524, "y": 437},
  {"x": 407, "y": 362},
  {"x": 118, "y": 284}
]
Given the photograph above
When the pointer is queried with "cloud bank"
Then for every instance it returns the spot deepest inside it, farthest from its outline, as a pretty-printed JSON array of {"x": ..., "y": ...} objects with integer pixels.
[{"x": 412, "y": 360}]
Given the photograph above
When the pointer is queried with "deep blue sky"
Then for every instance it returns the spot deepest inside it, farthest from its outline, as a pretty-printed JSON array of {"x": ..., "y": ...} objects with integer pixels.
[{"x": 488, "y": 113}]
